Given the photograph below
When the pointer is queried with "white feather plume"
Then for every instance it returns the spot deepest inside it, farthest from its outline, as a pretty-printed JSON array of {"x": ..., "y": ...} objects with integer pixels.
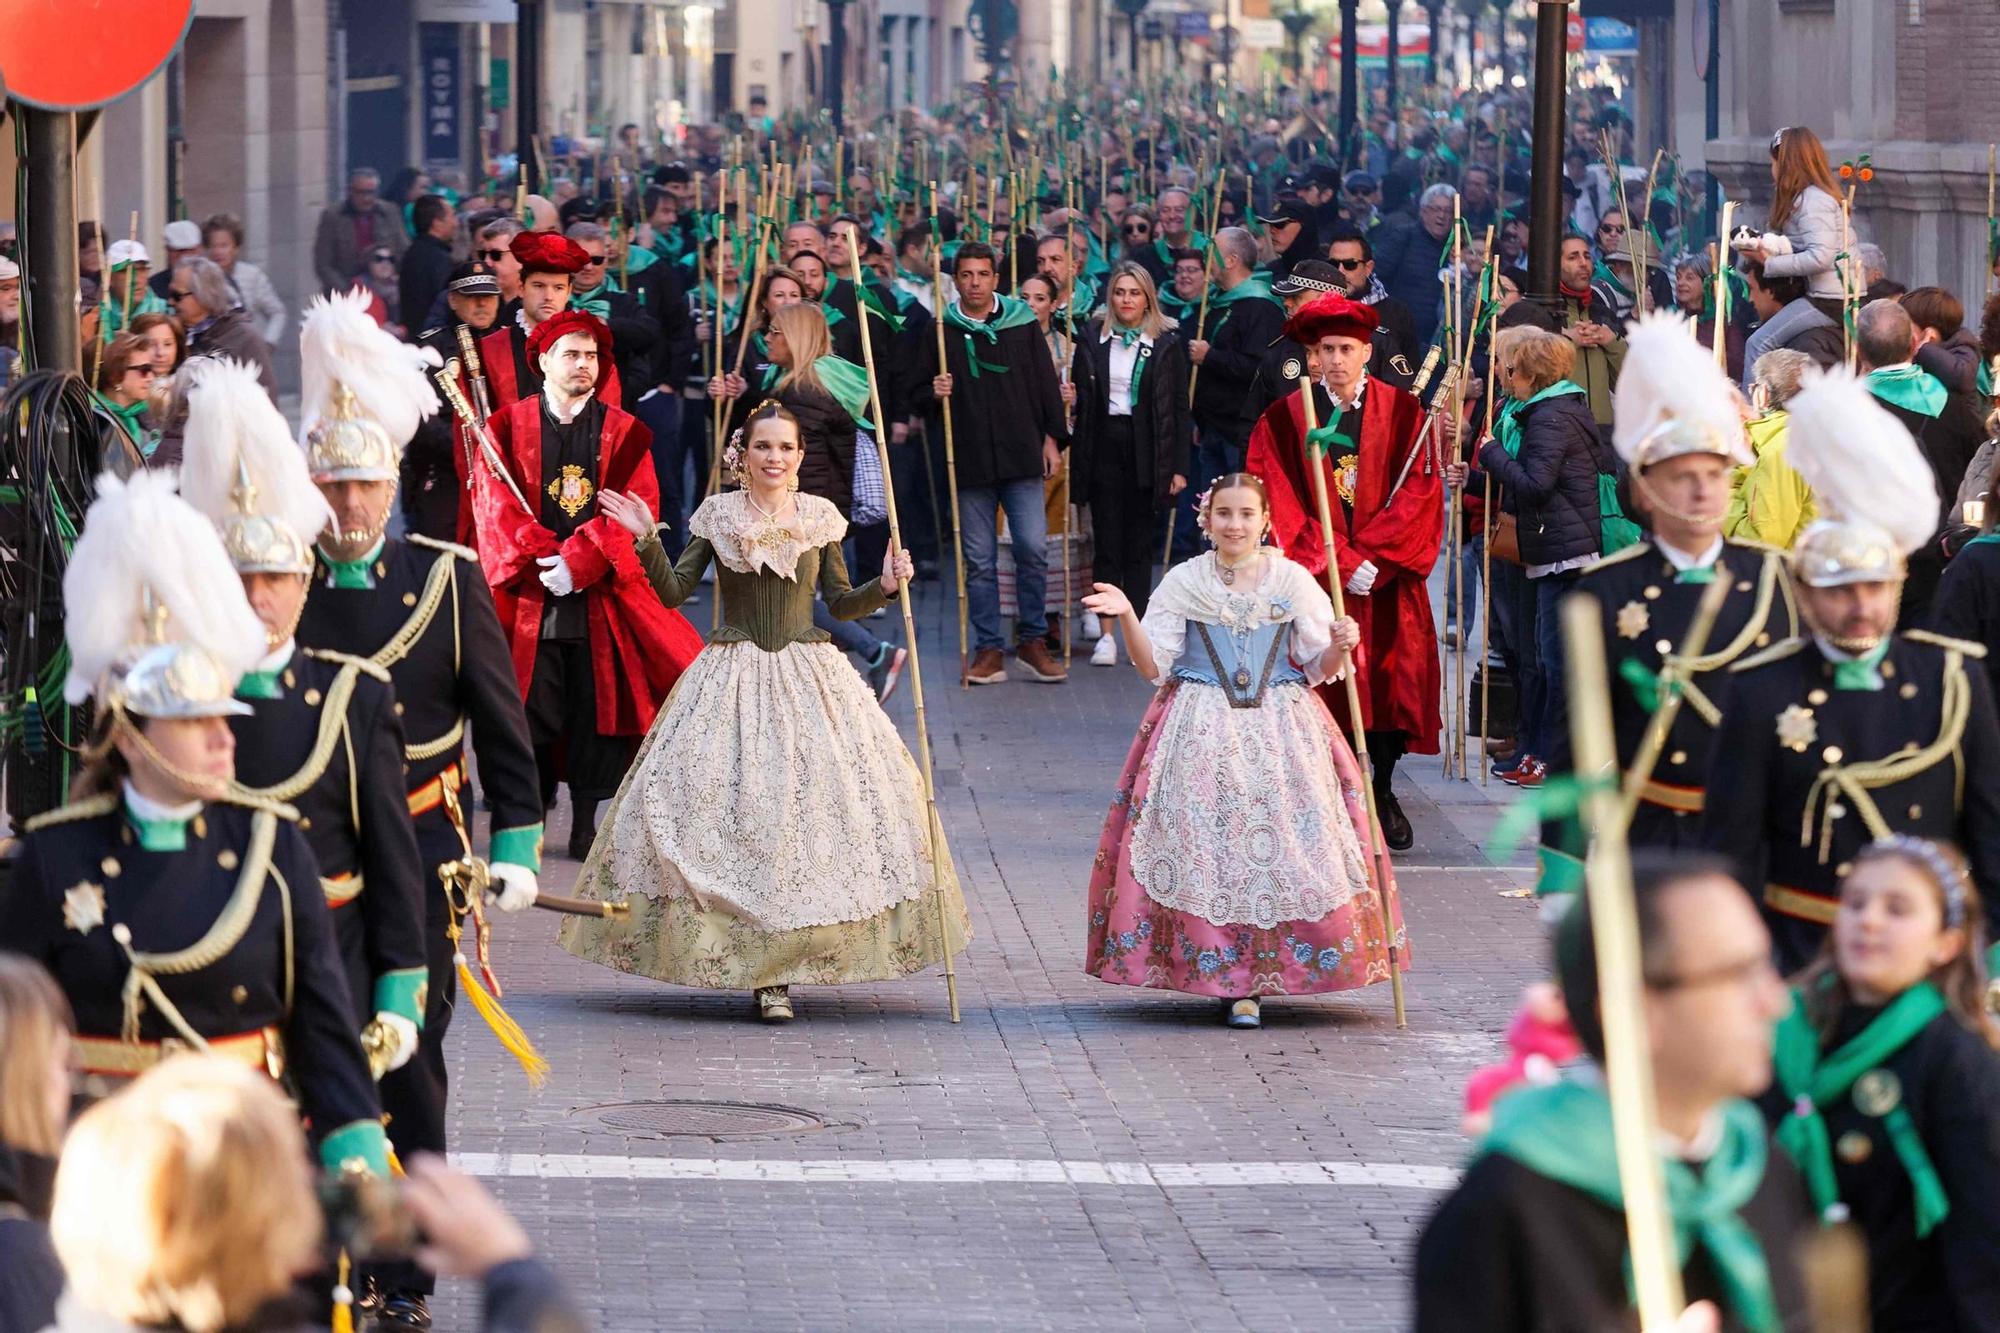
[
  {"x": 1668, "y": 374},
  {"x": 1860, "y": 461},
  {"x": 231, "y": 418},
  {"x": 136, "y": 535},
  {"x": 340, "y": 343}
]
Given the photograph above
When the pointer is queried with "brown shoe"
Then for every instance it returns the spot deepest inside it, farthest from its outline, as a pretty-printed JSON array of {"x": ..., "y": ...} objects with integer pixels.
[
  {"x": 1034, "y": 655},
  {"x": 989, "y": 667}
]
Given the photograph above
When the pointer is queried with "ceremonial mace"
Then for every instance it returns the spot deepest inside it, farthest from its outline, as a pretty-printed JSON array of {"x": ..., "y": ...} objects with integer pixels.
[
  {"x": 950, "y": 448},
  {"x": 932, "y": 826},
  {"x": 1378, "y": 867},
  {"x": 1614, "y": 926}
]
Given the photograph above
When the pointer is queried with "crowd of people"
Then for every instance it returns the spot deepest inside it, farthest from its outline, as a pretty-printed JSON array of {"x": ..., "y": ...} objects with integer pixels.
[{"x": 537, "y": 428}]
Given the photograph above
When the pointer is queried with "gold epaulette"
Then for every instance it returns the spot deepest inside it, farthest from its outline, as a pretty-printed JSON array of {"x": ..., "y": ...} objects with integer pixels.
[
  {"x": 251, "y": 801},
  {"x": 90, "y": 807},
  {"x": 1782, "y": 649},
  {"x": 362, "y": 664},
  {"x": 462, "y": 552},
  {"x": 1632, "y": 552},
  {"x": 1945, "y": 641}
]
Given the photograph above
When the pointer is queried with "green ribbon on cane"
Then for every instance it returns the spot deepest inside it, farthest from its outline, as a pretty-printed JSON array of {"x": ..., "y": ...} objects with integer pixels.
[
  {"x": 1557, "y": 799},
  {"x": 1320, "y": 442},
  {"x": 1647, "y": 684}
]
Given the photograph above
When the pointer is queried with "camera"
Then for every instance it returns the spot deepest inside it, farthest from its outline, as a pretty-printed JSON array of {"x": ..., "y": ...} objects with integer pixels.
[{"x": 368, "y": 1217}]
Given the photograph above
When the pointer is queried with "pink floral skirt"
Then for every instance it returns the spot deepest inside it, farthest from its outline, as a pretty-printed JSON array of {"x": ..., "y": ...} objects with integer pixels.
[{"x": 1136, "y": 941}]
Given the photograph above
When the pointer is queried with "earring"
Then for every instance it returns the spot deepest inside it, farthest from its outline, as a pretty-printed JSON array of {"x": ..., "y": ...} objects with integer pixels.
[{"x": 793, "y": 483}]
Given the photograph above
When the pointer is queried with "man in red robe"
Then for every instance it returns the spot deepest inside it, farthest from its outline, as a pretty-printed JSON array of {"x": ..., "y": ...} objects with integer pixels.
[
  {"x": 1386, "y": 534},
  {"x": 594, "y": 651}
]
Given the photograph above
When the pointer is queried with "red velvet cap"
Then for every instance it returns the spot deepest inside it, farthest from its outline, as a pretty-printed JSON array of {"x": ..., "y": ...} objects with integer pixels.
[
  {"x": 547, "y": 332},
  {"x": 546, "y": 252},
  {"x": 1331, "y": 316}
]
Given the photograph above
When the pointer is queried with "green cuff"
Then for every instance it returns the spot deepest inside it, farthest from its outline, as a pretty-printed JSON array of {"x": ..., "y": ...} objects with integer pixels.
[
  {"x": 404, "y": 993},
  {"x": 517, "y": 847},
  {"x": 1560, "y": 872},
  {"x": 359, "y": 1146}
]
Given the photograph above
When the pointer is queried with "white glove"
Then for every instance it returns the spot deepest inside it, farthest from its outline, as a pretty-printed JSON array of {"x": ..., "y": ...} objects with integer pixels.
[
  {"x": 1362, "y": 579},
  {"x": 516, "y": 886},
  {"x": 402, "y": 1034},
  {"x": 556, "y": 576}
]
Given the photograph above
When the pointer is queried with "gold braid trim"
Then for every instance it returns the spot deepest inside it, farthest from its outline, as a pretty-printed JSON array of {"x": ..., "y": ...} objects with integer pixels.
[
  {"x": 380, "y": 673},
  {"x": 404, "y": 639},
  {"x": 1685, "y": 670},
  {"x": 332, "y": 726},
  {"x": 416, "y": 754},
  {"x": 1776, "y": 652},
  {"x": 90, "y": 807},
  {"x": 221, "y": 939},
  {"x": 1855, "y": 781}
]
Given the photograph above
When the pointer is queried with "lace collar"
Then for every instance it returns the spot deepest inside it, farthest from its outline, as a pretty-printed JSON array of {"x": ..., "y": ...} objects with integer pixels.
[{"x": 745, "y": 540}]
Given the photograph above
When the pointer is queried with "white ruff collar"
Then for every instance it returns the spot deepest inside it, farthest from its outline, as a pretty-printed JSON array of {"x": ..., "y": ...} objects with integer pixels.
[{"x": 745, "y": 540}]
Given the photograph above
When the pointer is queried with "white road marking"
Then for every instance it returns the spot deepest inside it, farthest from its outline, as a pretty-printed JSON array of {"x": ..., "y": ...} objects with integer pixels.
[{"x": 958, "y": 1171}]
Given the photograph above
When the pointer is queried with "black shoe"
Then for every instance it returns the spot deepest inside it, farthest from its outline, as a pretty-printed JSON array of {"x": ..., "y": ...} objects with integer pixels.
[
  {"x": 1396, "y": 829},
  {"x": 403, "y": 1309},
  {"x": 582, "y": 829}
]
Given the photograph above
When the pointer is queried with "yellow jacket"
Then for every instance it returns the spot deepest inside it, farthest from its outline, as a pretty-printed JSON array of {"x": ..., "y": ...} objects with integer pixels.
[{"x": 1772, "y": 503}]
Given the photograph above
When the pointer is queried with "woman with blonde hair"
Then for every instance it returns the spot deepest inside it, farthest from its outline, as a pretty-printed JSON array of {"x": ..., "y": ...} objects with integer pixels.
[
  {"x": 35, "y": 1032},
  {"x": 1772, "y": 505},
  {"x": 186, "y": 1202},
  {"x": 1133, "y": 433}
]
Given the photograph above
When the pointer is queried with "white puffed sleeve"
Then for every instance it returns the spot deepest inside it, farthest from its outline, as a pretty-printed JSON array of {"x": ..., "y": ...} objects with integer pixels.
[
  {"x": 1312, "y": 623},
  {"x": 1166, "y": 620}
]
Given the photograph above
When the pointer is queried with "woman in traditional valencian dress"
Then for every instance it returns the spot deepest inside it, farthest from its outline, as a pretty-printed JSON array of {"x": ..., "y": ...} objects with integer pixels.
[
  {"x": 772, "y": 829},
  {"x": 1230, "y": 863}
]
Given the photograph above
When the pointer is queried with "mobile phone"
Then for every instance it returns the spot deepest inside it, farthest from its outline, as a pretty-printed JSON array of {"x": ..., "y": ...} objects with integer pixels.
[{"x": 368, "y": 1217}]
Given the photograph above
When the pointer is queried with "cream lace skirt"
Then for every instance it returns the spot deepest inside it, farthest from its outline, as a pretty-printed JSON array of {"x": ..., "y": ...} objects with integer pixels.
[{"x": 770, "y": 831}]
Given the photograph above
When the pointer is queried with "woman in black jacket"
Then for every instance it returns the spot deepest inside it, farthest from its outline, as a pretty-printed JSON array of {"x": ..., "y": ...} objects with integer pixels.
[
  {"x": 1548, "y": 458},
  {"x": 1130, "y": 442},
  {"x": 34, "y": 1104}
]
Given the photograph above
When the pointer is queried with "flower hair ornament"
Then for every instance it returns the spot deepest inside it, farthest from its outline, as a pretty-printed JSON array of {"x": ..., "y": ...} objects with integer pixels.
[{"x": 732, "y": 458}]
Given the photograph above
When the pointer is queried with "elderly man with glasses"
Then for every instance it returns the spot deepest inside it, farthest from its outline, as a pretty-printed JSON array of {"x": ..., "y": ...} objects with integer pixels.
[
  {"x": 1409, "y": 252},
  {"x": 352, "y": 228}
]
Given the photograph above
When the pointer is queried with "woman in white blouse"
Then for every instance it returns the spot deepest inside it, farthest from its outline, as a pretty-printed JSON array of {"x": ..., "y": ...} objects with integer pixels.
[{"x": 1132, "y": 433}]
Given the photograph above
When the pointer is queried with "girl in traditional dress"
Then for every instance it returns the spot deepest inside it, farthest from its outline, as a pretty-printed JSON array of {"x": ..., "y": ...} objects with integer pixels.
[
  {"x": 772, "y": 829},
  {"x": 1230, "y": 863},
  {"x": 1886, "y": 1087}
]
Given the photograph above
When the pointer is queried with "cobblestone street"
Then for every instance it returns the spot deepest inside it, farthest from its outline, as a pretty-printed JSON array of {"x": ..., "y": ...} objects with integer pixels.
[{"x": 1072, "y": 1155}]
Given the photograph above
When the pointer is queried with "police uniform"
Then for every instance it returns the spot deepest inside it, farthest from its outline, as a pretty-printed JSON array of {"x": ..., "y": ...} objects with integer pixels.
[
  {"x": 189, "y": 926},
  {"x": 1809, "y": 767},
  {"x": 1647, "y": 603}
]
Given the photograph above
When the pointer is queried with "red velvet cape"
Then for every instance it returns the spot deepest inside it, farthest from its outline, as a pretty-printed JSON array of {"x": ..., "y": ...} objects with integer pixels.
[
  {"x": 1398, "y": 661},
  {"x": 638, "y": 648}
]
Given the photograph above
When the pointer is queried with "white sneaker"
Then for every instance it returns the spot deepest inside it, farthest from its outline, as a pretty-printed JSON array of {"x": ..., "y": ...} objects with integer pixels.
[
  {"x": 1091, "y": 629},
  {"x": 1106, "y": 651}
]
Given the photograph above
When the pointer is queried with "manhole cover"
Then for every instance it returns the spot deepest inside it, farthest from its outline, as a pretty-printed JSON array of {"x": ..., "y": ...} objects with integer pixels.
[{"x": 703, "y": 1120}]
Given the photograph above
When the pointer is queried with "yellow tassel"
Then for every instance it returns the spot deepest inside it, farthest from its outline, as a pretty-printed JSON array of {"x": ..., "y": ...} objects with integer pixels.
[
  {"x": 343, "y": 1299},
  {"x": 503, "y": 1025},
  {"x": 396, "y": 1171}
]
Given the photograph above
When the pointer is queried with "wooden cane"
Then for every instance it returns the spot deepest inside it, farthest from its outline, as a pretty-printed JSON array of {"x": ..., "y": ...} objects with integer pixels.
[
  {"x": 131, "y": 271},
  {"x": 1992, "y": 165},
  {"x": 1378, "y": 863},
  {"x": 1614, "y": 924},
  {"x": 932, "y": 825},
  {"x": 1067, "y": 346},
  {"x": 1486, "y": 594},
  {"x": 1194, "y": 376},
  {"x": 1453, "y": 647},
  {"x": 950, "y": 445},
  {"x": 718, "y": 402},
  {"x": 1722, "y": 292}
]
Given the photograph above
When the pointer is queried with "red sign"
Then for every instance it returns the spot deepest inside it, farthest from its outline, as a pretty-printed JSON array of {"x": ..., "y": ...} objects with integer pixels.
[
  {"x": 71, "y": 55},
  {"x": 1576, "y": 32}
]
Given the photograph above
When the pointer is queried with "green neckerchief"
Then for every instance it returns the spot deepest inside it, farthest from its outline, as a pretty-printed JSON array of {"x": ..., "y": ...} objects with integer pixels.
[
  {"x": 1082, "y": 298},
  {"x": 1125, "y": 337},
  {"x": 158, "y": 835},
  {"x": 1507, "y": 422},
  {"x": 1182, "y": 311},
  {"x": 111, "y": 312},
  {"x": 1985, "y": 381},
  {"x": 846, "y": 382},
  {"x": 352, "y": 573},
  {"x": 1007, "y": 314},
  {"x": 712, "y": 300},
  {"x": 1563, "y": 1132},
  {"x": 1258, "y": 284},
  {"x": 128, "y": 419},
  {"x": 1602, "y": 273},
  {"x": 1863, "y": 672},
  {"x": 261, "y": 684},
  {"x": 637, "y": 260},
  {"x": 1909, "y": 387},
  {"x": 596, "y": 301},
  {"x": 1196, "y": 242},
  {"x": 834, "y": 314},
  {"x": 1814, "y": 1079},
  {"x": 865, "y": 296}
]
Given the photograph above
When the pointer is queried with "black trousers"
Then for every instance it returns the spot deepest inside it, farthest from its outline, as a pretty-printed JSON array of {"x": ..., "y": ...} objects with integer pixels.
[
  {"x": 417, "y": 1097},
  {"x": 562, "y": 725},
  {"x": 1121, "y": 517},
  {"x": 1385, "y": 750}
]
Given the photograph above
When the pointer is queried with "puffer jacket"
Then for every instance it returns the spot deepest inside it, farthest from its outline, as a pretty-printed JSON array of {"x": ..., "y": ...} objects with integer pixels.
[
  {"x": 1814, "y": 231},
  {"x": 827, "y": 470},
  {"x": 1554, "y": 480}
]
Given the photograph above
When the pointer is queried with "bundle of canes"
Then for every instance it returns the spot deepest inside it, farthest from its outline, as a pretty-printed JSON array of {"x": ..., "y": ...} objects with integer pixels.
[
  {"x": 1378, "y": 862},
  {"x": 950, "y": 450},
  {"x": 931, "y": 823}
]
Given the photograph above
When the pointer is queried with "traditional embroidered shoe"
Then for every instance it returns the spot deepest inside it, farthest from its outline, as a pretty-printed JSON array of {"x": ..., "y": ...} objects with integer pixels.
[
  {"x": 989, "y": 667},
  {"x": 1244, "y": 1013},
  {"x": 1106, "y": 651},
  {"x": 774, "y": 1004}
]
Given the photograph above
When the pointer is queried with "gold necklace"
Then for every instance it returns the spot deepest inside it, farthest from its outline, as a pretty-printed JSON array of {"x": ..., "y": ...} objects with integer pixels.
[{"x": 1228, "y": 572}]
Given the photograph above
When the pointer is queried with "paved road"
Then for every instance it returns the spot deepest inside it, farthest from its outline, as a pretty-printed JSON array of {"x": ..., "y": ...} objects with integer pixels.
[{"x": 1072, "y": 1155}]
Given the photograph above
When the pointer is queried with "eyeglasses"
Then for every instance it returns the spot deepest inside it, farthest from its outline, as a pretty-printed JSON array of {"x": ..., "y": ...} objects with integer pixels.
[
  {"x": 174, "y": 295},
  {"x": 144, "y": 368},
  {"x": 596, "y": 261},
  {"x": 382, "y": 257},
  {"x": 490, "y": 256},
  {"x": 1756, "y": 968},
  {"x": 1347, "y": 265}
]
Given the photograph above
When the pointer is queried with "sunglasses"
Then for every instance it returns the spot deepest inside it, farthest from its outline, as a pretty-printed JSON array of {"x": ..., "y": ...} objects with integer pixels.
[
  {"x": 1612, "y": 227},
  {"x": 1347, "y": 265},
  {"x": 1138, "y": 230},
  {"x": 175, "y": 295},
  {"x": 596, "y": 261},
  {"x": 381, "y": 257},
  {"x": 491, "y": 256},
  {"x": 143, "y": 368}
]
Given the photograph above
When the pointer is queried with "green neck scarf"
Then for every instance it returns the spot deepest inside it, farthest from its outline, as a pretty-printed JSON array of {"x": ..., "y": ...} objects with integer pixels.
[
  {"x": 844, "y": 381},
  {"x": 1909, "y": 387},
  {"x": 1507, "y": 421},
  {"x": 1258, "y": 284},
  {"x": 259, "y": 683},
  {"x": 129, "y": 421},
  {"x": 1196, "y": 242},
  {"x": 1863, "y": 672},
  {"x": 1008, "y": 314},
  {"x": 157, "y": 835},
  {"x": 1082, "y": 299},
  {"x": 1563, "y": 1132},
  {"x": 596, "y": 301},
  {"x": 1602, "y": 273},
  {"x": 1813, "y": 1079},
  {"x": 359, "y": 574}
]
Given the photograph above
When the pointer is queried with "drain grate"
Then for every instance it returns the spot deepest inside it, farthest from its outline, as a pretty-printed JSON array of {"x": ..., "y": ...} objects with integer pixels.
[{"x": 702, "y": 1120}]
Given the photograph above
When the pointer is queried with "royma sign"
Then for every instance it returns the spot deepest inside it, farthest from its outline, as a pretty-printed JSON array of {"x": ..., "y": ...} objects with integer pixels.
[{"x": 72, "y": 55}]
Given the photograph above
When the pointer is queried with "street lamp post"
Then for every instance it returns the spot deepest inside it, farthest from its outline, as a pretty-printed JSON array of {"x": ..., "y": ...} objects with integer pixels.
[
  {"x": 836, "y": 59},
  {"x": 1394, "y": 72},
  {"x": 1545, "y": 180},
  {"x": 1131, "y": 9},
  {"x": 1296, "y": 22},
  {"x": 1434, "y": 11},
  {"x": 1350, "y": 76}
]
